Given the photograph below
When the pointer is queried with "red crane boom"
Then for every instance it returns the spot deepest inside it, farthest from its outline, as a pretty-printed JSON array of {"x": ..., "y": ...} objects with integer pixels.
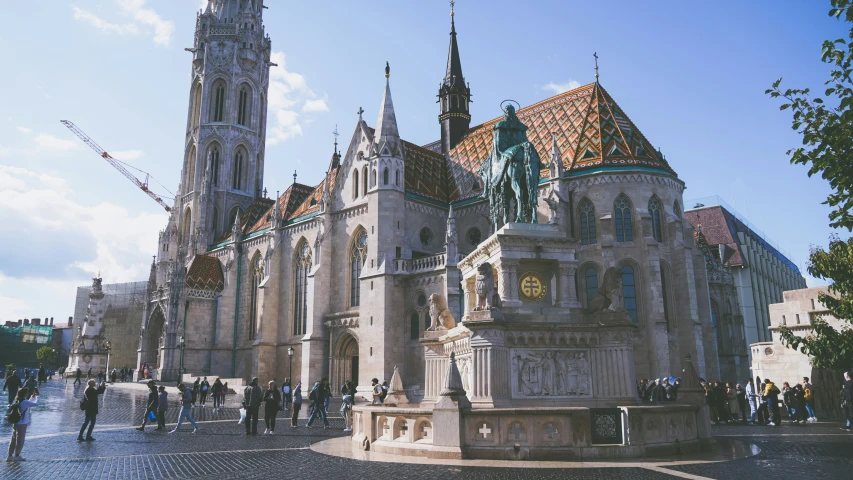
[{"x": 116, "y": 164}]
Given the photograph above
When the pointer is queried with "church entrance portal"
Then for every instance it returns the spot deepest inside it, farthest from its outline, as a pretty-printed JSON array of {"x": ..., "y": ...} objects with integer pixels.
[
  {"x": 154, "y": 334},
  {"x": 345, "y": 362}
]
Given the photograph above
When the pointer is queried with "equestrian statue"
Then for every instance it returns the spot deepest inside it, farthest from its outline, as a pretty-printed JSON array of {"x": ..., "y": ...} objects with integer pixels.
[{"x": 511, "y": 173}]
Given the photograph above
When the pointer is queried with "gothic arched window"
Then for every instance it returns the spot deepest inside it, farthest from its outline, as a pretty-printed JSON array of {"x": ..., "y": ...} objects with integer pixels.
[
  {"x": 355, "y": 184},
  {"x": 655, "y": 211},
  {"x": 218, "y": 103},
  {"x": 364, "y": 180},
  {"x": 664, "y": 284},
  {"x": 590, "y": 279},
  {"x": 357, "y": 257},
  {"x": 629, "y": 291},
  {"x": 301, "y": 267},
  {"x": 587, "y": 218},
  {"x": 622, "y": 219},
  {"x": 397, "y": 177},
  {"x": 189, "y": 184},
  {"x": 257, "y": 274},
  {"x": 414, "y": 326},
  {"x": 238, "y": 170},
  {"x": 196, "y": 108},
  {"x": 244, "y": 106},
  {"x": 385, "y": 176},
  {"x": 214, "y": 165}
]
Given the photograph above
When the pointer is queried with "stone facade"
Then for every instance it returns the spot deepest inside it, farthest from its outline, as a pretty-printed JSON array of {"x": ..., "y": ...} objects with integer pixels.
[
  {"x": 342, "y": 272},
  {"x": 781, "y": 364}
]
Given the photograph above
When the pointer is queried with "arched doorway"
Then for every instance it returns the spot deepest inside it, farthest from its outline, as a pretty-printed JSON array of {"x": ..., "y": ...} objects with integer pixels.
[
  {"x": 345, "y": 361},
  {"x": 154, "y": 335}
]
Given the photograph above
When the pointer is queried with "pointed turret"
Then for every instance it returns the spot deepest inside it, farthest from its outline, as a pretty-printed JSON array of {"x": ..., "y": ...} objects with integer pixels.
[
  {"x": 387, "y": 138},
  {"x": 556, "y": 168},
  {"x": 454, "y": 95},
  {"x": 452, "y": 242}
]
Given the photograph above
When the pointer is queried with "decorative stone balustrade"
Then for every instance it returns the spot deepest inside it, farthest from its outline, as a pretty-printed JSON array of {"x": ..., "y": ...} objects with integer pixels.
[{"x": 420, "y": 265}]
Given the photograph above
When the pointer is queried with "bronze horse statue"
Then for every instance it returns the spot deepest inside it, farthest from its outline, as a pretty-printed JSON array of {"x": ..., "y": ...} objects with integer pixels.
[{"x": 511, "y": 173}]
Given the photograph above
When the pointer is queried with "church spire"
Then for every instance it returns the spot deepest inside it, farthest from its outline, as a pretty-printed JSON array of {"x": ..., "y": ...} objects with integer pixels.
[
  {"x": 387, "y": 134},
  {"x": 453, "y": 94}
]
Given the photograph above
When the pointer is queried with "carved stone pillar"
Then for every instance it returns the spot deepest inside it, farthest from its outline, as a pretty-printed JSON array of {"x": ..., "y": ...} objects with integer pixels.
[
  {"x": 508, "y": 286},
  {"x": 567, "y": 294}
]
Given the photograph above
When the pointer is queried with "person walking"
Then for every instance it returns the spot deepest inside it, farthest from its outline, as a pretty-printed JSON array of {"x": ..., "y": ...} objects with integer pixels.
[
  {"x": 30, "y": 383},
  {"x": 252, "y": 397},
  {"x": 205, "y": 388},
  {"x": 216, "y": 391},
  {"x": 90, "y": 406},
  {"x": 89, "y": 375},
  {"x": 151, "y": 406},
  {"x": 327, "y": 394},
  {"x": 186, "y": 409},
  {"x": 272, "y": 404},
  {"x": 162, "y": 406},
  {"x": 12, "y": 384},
  {"x": 318, "y": 400},
  {"x": 24, "y": 402},
  {"x": 42, "y": 374},
  {"x": 297, "y": 404},
  {"x": 808, "y": 393},
  {"x": 77, "y": 376},
  {"x": 286, "y": 394},
  {"x": 847, "y": 400}
]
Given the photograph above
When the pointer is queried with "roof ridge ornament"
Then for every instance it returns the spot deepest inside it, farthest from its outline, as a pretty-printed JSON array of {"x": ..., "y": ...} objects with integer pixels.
[{"x": 595, "y": 54}]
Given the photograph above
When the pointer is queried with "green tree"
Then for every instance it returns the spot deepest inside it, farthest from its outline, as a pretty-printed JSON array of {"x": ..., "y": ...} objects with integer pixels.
[
  {"x": 46, "y": 354},
  {"x": 828, "y": 347},
  {"x": 827, "y": 126}
]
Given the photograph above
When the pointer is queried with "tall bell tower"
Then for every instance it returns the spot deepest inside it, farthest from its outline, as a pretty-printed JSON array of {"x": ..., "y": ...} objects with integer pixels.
[
  {"x": 223, "y": 167},
  {"x": 454, "y": 95}
]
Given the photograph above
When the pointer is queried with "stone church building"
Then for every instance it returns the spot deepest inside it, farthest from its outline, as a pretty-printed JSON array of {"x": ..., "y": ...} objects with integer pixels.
[{"x": 333, "y": 280}]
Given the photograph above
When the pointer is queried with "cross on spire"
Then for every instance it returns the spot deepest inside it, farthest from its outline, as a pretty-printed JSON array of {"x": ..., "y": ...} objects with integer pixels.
[
  {"x": 335, "y": 133},
  {"x": 452, "y": 4},
  {"x": 595, "y": 54},
  {"x": 360, "y": 111},
  {"x": 294, "y": 177}
]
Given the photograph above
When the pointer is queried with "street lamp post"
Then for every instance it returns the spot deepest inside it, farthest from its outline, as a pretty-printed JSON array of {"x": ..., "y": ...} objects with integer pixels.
[
  {"x": 181, "y": 345},
  {"x": 290, "y": 356}
]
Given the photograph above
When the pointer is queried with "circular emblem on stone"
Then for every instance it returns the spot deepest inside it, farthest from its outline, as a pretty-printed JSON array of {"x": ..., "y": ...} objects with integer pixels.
[
  {"x": 768, "y": 351},
  {"x": 532, "y": 287},
  {"x": 87, "y": 358}
]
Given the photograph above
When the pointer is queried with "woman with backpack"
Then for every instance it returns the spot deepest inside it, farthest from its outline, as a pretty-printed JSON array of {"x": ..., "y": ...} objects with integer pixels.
[
  {"x": 19, "y": 416},
  {"x": 286, "y": 394}
]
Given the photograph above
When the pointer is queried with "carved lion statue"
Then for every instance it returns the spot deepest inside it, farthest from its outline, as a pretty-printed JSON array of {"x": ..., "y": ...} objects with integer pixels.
[
  {"x": 440, "y": 316},
  {"x": 609, "y": 295},
  {"x": 484, "y": 287}
]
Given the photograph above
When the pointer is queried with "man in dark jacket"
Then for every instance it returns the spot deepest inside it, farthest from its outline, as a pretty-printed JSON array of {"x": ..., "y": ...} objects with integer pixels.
[
  {"x": 659, "y": 392},
  {"x": 151, "y": 405},
  {"x": 12, "y": 384},
  {"x": 78, "y": 374},
  {"x": 847, "y": 397},
  {"x": 252, "y": 398},
  {"x": 90, "y": 406},
  {"x": 42, "y": 374},
  {"x": 318, "y": 399}
]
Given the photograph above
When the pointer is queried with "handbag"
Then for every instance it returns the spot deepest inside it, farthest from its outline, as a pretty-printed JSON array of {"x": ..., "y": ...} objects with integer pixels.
[
  {"x": 242, "y": 416},
  {"x": 152, "y": 416}
]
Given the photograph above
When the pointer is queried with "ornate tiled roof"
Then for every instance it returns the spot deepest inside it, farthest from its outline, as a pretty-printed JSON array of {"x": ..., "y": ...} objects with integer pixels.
[
  {"x": 592, "y": 131},
  {"x": 287, "y": 203},
  {"x": 205, "y": 273},
  {"x": 311, "y": 203},
  {"x": 427, "y": 173},
  {"x": 254, "y": 213}
]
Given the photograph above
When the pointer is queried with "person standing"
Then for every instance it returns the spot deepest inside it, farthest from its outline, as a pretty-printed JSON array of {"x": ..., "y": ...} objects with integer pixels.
[
  {"x": 377, "y": 391},
  {"x": 752, "y": 400},
  {"x": 297, "y": 404},
  {"x": 196, "y": 389},
  {"x": 272, "y": 404},
  {"x": 205, "y": 388},
  {"x": 162, "y": 406},
  {"x": 347, "y": 396},
  {"x": 286, "y": 394},
  {"x": 252, "y": 397},
  {"x": 847, "y": 400},
  {"x": 222, "y": 394},
  {"x": 89, "y": 375},
  {"x": 732, "y": 400},
  {"x": 789, "y": 401},
  {"x": 12, "y": 384},
  {"x": 318, "y": 400},
  {"x": 42, "y": 374},
  {"x": 19, "y": 429},
  {"x": 30, "y": 383},
  {"x": 741, "y": 401},
  {"x": 90, "y": 406},
  {"x": 186, "y": 409},
  {"x": 216, "y": 391},
  {"x": 151, "y": 406},
  {"x": 808, "y": 393},
  {"x": 771, "y": 396},
  {"x": 327, "y": 394}
]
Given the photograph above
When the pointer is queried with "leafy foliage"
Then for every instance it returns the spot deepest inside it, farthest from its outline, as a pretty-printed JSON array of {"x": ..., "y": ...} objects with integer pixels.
[
  {"x": 46, "y": 354},
  {"x": 827, "y": 130},
  {"x": 828, "y": 347}
]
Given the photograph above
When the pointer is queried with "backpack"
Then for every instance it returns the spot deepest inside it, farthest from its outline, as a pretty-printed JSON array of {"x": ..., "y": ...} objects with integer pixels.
[
  {"x": 13, "y": 413},
  {"x": 83, "y": 403},
  {"x": 313, "y": 395}
]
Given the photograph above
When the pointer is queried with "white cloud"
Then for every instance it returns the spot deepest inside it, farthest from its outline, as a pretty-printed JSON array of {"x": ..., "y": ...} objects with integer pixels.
[
  {"x": 25, "y": 130},
  {"x": 288, "y": 95},
  {"x": 48, "y": 142},
  {"x": 14, "y": 308},
  {"x": 558, "y": 88},
  {"x": 163, "y": 29},
  {"x": 100, "y": 24},
  {"x": 144, "y": 19},
  {"x": 127, "y": 155}
]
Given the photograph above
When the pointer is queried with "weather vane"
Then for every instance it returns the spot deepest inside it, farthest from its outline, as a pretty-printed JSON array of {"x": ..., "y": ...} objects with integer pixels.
[
  {"x": 452, "y": 3},
  {"x": 294, "y": 177},
  {"x": 595, "y": 54}
]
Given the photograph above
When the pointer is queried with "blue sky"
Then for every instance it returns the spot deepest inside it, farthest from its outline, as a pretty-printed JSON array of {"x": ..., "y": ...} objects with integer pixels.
[{"x": 691, "y": 75}]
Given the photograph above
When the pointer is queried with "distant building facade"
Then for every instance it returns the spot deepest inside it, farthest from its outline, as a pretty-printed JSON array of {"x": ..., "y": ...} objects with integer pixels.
[
  {"x": 746, "y": 273},
  {"x": 774, "y": 360}
]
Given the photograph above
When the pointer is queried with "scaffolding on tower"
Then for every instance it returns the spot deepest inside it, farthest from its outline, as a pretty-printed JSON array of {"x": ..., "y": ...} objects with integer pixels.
[{"x": 118, "y": 165}]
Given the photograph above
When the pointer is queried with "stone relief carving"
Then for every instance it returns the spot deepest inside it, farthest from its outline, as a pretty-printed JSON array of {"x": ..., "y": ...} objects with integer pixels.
[
  {"x": 440, "y": 316},
  {"x": 550, "y": 373}
]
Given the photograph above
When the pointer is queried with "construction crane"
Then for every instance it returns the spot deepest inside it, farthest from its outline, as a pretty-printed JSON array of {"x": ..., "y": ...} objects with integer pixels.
[{"x": 116, "y": 164}]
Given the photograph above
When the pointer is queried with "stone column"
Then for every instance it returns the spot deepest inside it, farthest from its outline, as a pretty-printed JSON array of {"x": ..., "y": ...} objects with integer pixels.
[
  {"x": 567, "y": 294},
  {"x": 508, "y": 286}
]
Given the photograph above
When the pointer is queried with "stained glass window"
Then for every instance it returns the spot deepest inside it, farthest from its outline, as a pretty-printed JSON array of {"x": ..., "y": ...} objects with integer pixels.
[
  {"x": 629, "y": 292},
  {"x": 622, "y": 219},
  {"x": 587, "y": 217},
  {"x": 357, "y": 258}
]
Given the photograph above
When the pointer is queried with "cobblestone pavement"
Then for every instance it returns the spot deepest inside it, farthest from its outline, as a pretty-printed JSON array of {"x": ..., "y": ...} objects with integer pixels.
[{"x": 222, "y": 448}]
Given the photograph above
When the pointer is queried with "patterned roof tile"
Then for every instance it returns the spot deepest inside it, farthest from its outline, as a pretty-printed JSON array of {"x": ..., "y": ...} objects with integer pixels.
[{"x": 205, "y": 273}]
